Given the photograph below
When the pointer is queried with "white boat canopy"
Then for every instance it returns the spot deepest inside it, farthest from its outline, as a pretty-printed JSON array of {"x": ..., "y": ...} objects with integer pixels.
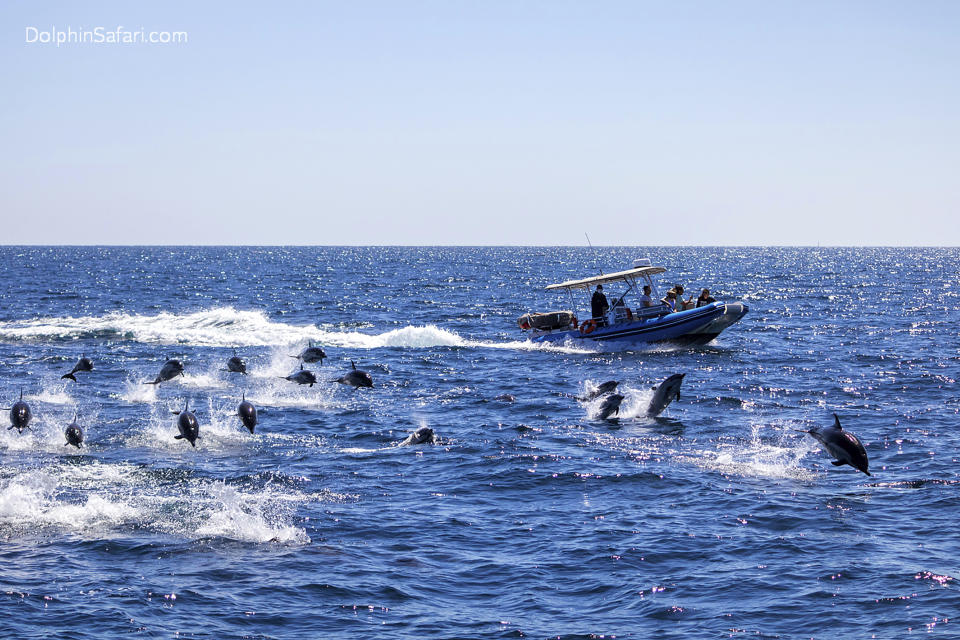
[{"x": 586, "y": 283}]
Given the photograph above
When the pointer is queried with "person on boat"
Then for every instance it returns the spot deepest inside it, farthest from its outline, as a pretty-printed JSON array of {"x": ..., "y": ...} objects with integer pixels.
[
  {"x": 645, "y": 299},
  {"x": 681, "y": 304},
  {"x": 599, "y": 306},
  {"x": 670, "y": 300},
  {"x": 705, "y": 298}
]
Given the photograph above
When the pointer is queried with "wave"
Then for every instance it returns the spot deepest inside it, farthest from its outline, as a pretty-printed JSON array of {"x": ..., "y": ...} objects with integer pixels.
[{"x": 229, "y": 327}]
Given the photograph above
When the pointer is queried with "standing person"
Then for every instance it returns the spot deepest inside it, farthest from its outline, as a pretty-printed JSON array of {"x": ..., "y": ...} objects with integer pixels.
[
  {"x": 645, "y": 299},
  {"x": 599, "y": 306},
  {"x": 705, "y": 298}
]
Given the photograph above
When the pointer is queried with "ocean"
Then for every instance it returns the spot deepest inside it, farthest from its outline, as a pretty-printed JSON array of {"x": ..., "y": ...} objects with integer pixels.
[{"x": 531, "y": 518}]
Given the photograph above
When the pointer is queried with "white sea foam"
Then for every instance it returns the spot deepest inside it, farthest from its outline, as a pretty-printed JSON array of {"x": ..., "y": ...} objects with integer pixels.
[
  {"x": 100, "y": 499},
  {"x": 55, "y": 395},
  {"x": 31, "y": 499},
  {"x": 229, "y": 327}
]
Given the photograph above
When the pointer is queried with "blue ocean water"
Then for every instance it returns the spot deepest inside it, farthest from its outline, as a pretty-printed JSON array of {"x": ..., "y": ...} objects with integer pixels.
[{"x": 532, "y": 518}]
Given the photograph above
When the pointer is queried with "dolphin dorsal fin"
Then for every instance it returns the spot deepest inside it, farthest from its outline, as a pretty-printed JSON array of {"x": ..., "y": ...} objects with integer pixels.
[
  {"x": 353, "y": 364},
  {"x": 301, "y": 366},
  {"x": 21, "y": 393},
  {"x": 836, "y": 422},
  {"x": 243, "y": 398}
]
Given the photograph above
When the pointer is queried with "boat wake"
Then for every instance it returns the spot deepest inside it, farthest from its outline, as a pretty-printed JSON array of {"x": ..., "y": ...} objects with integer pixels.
[{"x": 228, "y": 327}]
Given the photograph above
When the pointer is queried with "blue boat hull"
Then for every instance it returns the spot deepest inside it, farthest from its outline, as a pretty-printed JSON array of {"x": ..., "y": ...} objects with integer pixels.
[{"x": 691, "y": 327}]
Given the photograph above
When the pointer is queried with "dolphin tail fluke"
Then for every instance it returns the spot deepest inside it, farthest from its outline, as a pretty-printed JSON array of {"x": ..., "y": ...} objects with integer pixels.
[{"x": 68, "y": 376}]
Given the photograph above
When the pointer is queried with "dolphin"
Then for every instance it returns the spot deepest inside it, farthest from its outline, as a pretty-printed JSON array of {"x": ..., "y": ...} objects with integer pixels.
[
  {"x": 83, "y": 364},
  {"x": 74, "y": 434},
  {"x": 842, "y": 445},
  {"x": 610, "y": 405},
  {"x": 302, "y": 377},
  {"x": 247, "y": 413},
  {"x": 170, "y": 370},
  {"x": 506, "y": 397},
  {"x": 665, "y": 393},
  {"x": 423, "y": 435},
  {"x": 356, "y": 378},
  {"x": 187, "y": 425},
  {"x": 20, "y": 415},
  {"x": 236, "y": 365},
  {"x": 603, "y": 389},
  {"x": 311, "y": 354}
]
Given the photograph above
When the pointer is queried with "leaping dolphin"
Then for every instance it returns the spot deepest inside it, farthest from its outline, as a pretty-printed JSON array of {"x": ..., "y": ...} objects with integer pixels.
[
  {"x": 311, "y": 354},
  {"x": 20, "y": 415},
  {"x": 356, "y": 378},
  {"x": 665, "y": 393},
  {"x": 236, "y": 365},
  {"x": 74, "y": 434},
  {"x": 302, "y": 377},
  {"x": 604, "y": 388},
  {"x": 187, "y": 425},
  {"x": 842, "y": 445},
  {"x": 247, "y": 413},
  {"x": 610, "y": 405},
  {"x": 170, "y": 370},
  {"x": 83, "y": 364}
]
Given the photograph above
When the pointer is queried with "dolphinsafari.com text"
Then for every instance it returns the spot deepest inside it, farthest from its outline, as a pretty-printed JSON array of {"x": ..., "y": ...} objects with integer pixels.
[{"x": 102, "y": 35}]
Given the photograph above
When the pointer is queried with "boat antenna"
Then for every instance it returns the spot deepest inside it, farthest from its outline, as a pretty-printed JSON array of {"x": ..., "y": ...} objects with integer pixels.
[{"x": 593, "y": 250}]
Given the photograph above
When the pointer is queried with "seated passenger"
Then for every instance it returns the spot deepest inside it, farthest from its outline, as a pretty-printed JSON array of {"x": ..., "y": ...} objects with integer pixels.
[
  {"x": 645, "y": 299},
  {"x": 705, "y": 298},
  {"x": 670, "y": 300},
  {"x": 681, "y": 303}
]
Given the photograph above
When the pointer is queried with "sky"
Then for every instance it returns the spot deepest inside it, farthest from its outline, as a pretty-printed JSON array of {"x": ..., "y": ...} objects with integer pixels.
[{"x": 483, "y": 123}]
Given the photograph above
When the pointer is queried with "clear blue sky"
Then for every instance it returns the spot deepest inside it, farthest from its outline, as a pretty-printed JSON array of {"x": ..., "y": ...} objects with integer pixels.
[{"x": 484, "y": 122}]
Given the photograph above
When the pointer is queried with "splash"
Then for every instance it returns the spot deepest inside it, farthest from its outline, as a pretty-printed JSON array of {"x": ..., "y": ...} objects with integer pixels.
[
  {"x": 135, "y": 392},
  {"x": 245, "y": 517},
  {"x": 762, "y": 456}
]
